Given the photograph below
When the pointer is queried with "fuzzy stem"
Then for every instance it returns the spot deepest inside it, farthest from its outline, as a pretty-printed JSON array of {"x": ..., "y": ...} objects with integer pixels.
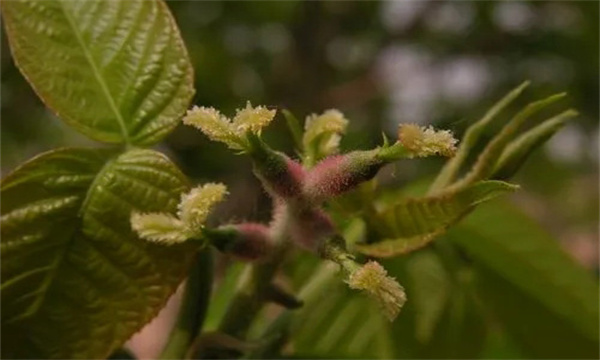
[
  {"x": 279, "y": 175},
  {"x": 193, "y": 309},
  {"x": 253, "y": 289},
  {"x": 334, "y": 249},
  {"x": 392, "y": 153},
  {"x": 278, "y": 331},
  {"x": 250, "y": 297}
]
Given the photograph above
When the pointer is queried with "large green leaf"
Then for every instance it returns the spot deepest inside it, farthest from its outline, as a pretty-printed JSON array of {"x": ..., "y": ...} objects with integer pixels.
[
  {"x": 115, "y": 70},
  {"x": 535, "y": 329},
  {"x": 515, "y": 250},
  {"x": 76, "y": 282},
  {"x": 414, "y": 222},
  {"x": 460, "y": 332},
  {"x": 449, "y": 322},
  {"x": 430, "y": 291},
  {"x": 441, "y": 318},
  {"x": 336, "y": 322}
]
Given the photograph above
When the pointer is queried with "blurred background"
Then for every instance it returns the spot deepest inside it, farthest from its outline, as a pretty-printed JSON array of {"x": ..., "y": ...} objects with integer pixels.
[{"x": 381, "y": 63}]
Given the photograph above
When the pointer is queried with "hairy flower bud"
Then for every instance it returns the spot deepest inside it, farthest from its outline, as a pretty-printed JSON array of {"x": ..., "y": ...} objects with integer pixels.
[
  {"x": 331, "y": 121},
  {"x": 230, "y": 132},
  {"x": 252, "y": 119},
  {"x": 310, "y": 227},
  {"x": 421, "y": 141},
  {"x": 322, "y": 134},
  {"x": 370, "y": 277},
  {"x": 280, "y": 175},
  {"x": 373, "y": 279},
  {"x": 340, "y": 173},
  {"x": 214, "y": 125},
  {"x": 159, "y": 227},
  {"x": 246, "y": 241},
  {"x": 193, "y": 210},
  {"x": 194, "y": 207}
]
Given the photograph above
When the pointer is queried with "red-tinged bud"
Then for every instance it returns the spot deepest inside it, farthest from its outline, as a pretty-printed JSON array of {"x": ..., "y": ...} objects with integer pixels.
[
  {"x": 310, "y": 227},
  {"x": 280, "y": 175},
  {"x": 254, "y": 241},
  {"x": 340, "y": 173},
  {"x": 247, "y": 241}
]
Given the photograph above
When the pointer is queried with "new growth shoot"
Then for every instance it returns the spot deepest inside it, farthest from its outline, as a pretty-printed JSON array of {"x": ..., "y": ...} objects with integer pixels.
[{"x": 298, "y": 189}]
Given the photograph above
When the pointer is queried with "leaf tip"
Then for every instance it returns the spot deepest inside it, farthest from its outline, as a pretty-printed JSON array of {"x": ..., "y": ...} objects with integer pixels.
[{"x": 570, "y": 113}]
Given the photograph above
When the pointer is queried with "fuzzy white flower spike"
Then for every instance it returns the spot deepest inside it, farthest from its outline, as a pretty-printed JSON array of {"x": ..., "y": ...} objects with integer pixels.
[
  {"x": 193, "y": 210},
  {"x": 426, "y": 141},
  {"x": 373, "y": 279}
]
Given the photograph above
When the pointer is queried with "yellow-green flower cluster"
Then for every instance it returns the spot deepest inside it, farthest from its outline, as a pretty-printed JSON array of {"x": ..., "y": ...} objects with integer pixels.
[
  {"x": 195, "y": 206},
  {"x": 231, "y": 132},
  {"x": 426, "y": 141},
  {"x": 193, "y": 210},
  {"x": 373, "y": 279},
  {"x": 323, "y": 133},
  {"x": 159, "y": 227}
]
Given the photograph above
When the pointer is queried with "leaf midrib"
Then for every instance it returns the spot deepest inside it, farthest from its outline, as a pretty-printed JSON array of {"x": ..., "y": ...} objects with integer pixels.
[{"x": 96, "y": 73}]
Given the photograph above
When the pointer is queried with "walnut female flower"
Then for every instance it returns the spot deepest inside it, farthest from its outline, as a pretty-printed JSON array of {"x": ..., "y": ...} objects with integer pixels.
[
  {"x": 426, "y": 141},
  {"x": 193, "y": 210},
  {"x": 322, "y": 134},
  {"x": 373, "y": 279},
  {"x": 214, "y": 125},
  {"x": 194, "y": 207},
  {"x": 232, "y": 133},
  {"x": 159, "y": 227},
  {"x": 252, "y": 119}
]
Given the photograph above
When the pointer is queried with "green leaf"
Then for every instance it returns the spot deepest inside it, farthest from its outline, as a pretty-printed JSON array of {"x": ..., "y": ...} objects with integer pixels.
[
  {"x": 115, "y": 70},
  {"x": 441, "y": 318},
  {"x": 222, "y": 294},
  {"x": 294, "y": 127},
  {"x": 76, "y": 281},
  {"x": 537, "y": 331},
  {"x": 461, "y": 330},
  {"x": 414, "y": 222},
  {"x": 441, "y": 287},
  {"x": 430, "y": 291},
  {"x": 516, "y": 250},
  {"x": 487, "y": 160},
  {"x": 515, "y": 154},
  {"x": 349, "y": 324},
  {"x": 469, "y": 140}
]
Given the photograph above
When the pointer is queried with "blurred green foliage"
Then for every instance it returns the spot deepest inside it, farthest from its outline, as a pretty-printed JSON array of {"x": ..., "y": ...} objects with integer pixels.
[{"x": 379, "y": 62}]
